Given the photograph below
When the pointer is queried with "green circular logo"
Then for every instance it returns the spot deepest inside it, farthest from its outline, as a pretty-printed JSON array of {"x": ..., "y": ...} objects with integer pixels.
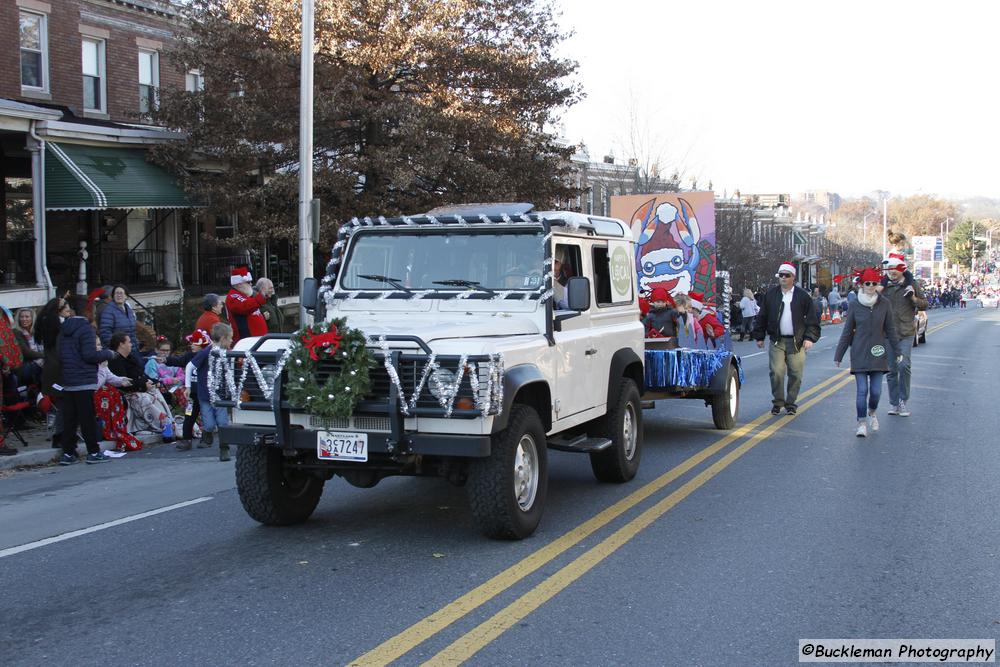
[
  {"x": 621, "y": 271},
  {"x": 878, "y": 351}
]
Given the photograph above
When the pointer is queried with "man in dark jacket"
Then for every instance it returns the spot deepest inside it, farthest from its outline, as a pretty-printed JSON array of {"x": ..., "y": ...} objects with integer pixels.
[
  {"x": 906, "y": 298},
  {"x": 79, "y": 359},
  {"x": 789, "y": 319}
]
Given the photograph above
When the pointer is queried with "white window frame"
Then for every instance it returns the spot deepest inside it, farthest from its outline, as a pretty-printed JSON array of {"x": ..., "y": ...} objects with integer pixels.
[
  {"x": 154, "y": 72},
  {"x": 102, "y": 72},
  {"x": 194, "y": 82},
  {"x": 43, "y": 38}
]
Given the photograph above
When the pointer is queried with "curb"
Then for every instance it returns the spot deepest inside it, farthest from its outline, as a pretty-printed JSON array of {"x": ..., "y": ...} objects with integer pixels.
[{"x": 46, "y": 455}]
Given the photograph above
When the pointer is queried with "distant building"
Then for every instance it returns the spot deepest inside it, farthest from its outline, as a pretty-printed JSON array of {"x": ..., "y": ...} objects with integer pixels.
[{"x": 598, "y": 180}]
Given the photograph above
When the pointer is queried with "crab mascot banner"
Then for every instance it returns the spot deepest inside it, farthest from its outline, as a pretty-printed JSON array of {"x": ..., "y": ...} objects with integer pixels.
[{"x": 675, "y": 241}]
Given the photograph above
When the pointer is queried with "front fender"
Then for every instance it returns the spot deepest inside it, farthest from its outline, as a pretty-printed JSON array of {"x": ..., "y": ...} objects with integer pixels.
[{"x": 525, "y": 378}]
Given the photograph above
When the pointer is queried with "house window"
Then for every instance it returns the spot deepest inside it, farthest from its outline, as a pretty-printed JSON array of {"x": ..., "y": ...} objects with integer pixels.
[
  {"x": 93, "y": 75},
  {"x": 194, "y": 82},
  {"x": 149, "y": 79},
  {"x": 225, "y": 226},
  {"x": 34, "y": 51}
]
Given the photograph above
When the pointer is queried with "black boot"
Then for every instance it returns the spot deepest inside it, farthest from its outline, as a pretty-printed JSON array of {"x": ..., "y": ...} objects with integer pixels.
[
  {"x": 206, "y": 440},
  {"x": 183, "y": 445}
]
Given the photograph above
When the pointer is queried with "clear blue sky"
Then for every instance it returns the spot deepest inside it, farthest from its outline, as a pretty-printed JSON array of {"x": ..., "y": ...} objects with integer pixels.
[{"x": 772, "y": 96}]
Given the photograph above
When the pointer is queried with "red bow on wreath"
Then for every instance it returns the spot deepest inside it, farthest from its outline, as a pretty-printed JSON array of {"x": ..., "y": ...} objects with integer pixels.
[{"x": 327, "y": 343}]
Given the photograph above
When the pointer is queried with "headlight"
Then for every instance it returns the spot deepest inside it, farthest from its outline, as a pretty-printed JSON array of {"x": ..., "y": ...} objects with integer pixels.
[{"x": 443, "y": 378}]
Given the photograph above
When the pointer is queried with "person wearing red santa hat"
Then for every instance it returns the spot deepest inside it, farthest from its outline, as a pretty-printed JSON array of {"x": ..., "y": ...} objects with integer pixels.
[
  {"x": 661, "y": 321},
  {"x": 243, "y": 305},
  {"x": 789, "y": 319},
  {"x": 870, "y": 331},
  {"x": 710, "y": 324},
  {"x": 906, "y": 298}
]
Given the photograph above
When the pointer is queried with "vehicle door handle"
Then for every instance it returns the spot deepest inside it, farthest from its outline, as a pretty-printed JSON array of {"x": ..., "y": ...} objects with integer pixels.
[{"x": 591, "y": 351}]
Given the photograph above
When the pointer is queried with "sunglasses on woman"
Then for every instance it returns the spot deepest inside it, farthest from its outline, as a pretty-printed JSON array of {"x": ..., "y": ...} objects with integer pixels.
[
  {"x": 869, "y": 283},
  {"x": 784, "y": 275}
]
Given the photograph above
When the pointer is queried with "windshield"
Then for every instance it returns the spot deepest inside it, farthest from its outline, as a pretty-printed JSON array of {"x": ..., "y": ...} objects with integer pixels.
[{"x": 460, "y": 260}]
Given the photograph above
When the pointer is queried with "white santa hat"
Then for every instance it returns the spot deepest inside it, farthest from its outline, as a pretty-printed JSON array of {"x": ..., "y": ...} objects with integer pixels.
[
  {"x": 787, "y": 267},
  {"x": 241, "y": 274},
  {"x": 894, "y": 262}
]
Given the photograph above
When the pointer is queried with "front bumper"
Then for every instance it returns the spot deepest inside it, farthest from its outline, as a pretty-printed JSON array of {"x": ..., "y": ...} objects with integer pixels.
[{"x": 429, "y": 444}]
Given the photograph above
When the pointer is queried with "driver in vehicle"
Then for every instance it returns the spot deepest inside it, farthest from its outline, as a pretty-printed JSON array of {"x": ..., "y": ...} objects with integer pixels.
[{"x": 560, "y": 277}]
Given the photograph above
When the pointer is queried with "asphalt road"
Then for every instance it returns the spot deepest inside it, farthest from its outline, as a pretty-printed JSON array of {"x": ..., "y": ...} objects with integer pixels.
[{"x": 725, "y": 550}]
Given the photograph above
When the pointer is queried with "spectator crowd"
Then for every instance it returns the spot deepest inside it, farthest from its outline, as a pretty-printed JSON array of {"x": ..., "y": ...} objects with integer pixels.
[{"x": 87, "y": 366}]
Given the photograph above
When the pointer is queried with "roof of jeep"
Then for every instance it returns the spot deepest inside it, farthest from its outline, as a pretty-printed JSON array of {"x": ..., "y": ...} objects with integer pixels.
[{"x": 503, "y": 213}]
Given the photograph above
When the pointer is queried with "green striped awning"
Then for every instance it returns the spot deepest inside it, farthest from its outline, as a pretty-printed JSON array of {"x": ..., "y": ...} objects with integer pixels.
[{"x": 87, "y": 178}]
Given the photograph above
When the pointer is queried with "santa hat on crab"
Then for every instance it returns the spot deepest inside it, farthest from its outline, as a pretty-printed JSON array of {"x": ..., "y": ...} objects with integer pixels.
[{"x": 240, "y": 274}]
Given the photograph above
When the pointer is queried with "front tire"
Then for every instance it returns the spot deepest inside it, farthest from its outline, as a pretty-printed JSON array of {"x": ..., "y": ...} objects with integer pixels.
[
  {"x": 623, "y": 426},
  {"x": 726, "y": 406},
  {"x": 923, "y": 338},
  {"x": 272, "y": 494},
  {"x": 507, "y": 489}
]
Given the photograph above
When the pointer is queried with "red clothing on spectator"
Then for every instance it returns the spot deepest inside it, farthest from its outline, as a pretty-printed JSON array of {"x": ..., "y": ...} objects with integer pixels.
[
  {"x": 244, "y": 314},
  {"x": 206, "y": 321}
]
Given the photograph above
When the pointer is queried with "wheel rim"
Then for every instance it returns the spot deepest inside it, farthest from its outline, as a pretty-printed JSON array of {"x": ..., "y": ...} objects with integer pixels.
[
  {"x": 526, "y": 472},
  {"x": 629, "y": 434},
  {"x": 734, "y": 395}
]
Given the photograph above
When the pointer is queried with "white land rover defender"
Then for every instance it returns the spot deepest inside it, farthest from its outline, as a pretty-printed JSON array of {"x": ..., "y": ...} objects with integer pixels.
[{"x": 497, "y": 333}]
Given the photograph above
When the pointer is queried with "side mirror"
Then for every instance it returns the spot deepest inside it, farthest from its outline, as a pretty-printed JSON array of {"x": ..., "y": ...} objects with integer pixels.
[
  {"x": 578, "y": 293},
  {"x": 310, "y": 292}
]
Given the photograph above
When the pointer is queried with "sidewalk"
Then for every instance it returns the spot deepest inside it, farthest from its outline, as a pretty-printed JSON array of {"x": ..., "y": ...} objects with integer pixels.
[{"x": 39, "y": 450}]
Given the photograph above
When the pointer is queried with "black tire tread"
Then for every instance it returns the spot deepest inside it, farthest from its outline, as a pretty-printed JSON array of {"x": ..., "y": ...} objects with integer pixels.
[
  {"x": 722, "y": 417},
  {"x": 258, "y": 481},
  {"x": 610, "y": 465},
  {"x": 488, "y": 485}
]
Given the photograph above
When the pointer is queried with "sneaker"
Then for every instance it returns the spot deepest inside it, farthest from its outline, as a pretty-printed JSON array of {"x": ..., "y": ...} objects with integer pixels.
[
  {"x": 873, "y": 423},
  {"x": 775, "y": 410},
  {"x": 98, "y": 457},
  {"x": 68, "y": 459},
  {"x": 862, "y": 431},
  {"x": 893, "y": 410},
  {"x": 791, "y": 409},
  {"x": 903, "y": 410}
]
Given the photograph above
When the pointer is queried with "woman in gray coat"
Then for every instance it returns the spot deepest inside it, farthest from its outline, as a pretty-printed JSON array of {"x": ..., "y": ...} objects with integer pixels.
[{"x": 871, "y": 333}]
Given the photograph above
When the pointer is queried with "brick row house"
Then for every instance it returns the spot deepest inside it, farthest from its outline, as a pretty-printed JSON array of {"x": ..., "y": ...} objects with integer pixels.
[{"x": 76, "y": 78}]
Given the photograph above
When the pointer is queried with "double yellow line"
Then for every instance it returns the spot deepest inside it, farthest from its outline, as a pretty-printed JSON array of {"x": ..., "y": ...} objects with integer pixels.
[{"x": 473, "y": 641}]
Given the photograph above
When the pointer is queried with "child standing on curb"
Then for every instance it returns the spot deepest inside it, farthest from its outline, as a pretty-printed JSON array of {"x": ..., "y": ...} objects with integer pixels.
[
  {"x": 870, "y": 331},
  {"x": 199, "y": 339},
  {"x": 212, "y": 417}
]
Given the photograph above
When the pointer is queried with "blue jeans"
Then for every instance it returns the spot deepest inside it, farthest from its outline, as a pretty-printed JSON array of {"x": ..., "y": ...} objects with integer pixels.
[
  {"x": 899, "y": 373},
  {"x": 213, "y": 418},
  {"x": 869, "y": 392}
]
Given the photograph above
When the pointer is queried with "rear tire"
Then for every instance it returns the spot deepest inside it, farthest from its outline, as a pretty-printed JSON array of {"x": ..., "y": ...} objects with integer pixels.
[
  {"x": 270, "y": 493},
  {"x": 623, "y": 427},
  {"x": 726, "y": 406},
  {"x": 507, "y": 489}
]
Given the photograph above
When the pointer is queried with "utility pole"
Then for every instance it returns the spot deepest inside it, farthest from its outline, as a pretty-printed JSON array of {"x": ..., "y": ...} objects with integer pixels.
[{"x": 305, "y": 155}]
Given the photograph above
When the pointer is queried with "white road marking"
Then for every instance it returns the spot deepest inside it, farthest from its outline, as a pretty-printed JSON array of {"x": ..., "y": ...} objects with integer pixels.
[{"x": 93, "y": 529}]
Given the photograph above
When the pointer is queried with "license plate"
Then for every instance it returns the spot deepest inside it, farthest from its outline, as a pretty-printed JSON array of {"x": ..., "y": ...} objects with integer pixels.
[{"x": 340, "y": 446}]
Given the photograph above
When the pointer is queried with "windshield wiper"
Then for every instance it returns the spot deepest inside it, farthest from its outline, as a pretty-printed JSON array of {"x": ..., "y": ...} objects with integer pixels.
[
  {"x": 387, "y": 280},
  {"x": 464, "y": 283}
]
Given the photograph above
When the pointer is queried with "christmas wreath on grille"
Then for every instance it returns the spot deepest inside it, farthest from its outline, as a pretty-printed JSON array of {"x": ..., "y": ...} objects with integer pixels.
[{"x": 349, "y": 379}]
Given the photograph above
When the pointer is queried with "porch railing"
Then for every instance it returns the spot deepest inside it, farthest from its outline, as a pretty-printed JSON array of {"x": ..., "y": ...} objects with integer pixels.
[
  {"x": 17, "y": 262},
  {"x": 135, "y": 268}
]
